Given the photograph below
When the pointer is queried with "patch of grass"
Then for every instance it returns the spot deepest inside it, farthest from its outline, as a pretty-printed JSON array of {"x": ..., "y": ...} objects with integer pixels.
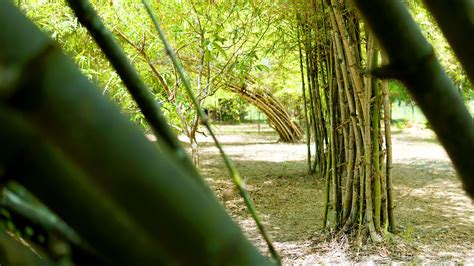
[{"x": 407, "y": 234}]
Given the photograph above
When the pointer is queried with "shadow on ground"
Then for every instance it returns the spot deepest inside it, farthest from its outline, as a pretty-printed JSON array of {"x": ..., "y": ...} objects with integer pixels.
[{"x": 434, "y": 216}]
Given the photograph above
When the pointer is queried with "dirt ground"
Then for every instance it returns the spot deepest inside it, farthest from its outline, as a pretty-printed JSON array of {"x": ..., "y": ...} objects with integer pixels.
[{"x": 435, "y": 219}]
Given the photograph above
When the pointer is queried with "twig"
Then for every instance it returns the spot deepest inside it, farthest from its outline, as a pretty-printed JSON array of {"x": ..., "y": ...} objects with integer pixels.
[{"x": 150, "y": 108}]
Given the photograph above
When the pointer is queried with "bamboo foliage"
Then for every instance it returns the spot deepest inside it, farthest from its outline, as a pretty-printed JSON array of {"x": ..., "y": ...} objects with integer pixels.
[
  {"x": 345, "y": 113},
  {"x": 455, "y": 18}
]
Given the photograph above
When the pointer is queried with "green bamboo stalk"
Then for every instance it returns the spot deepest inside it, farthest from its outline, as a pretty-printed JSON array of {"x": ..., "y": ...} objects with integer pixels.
[
  {"x": 238, "y": 181},
  {"x": 388, "y": 148},
  {"x": 355, "y": 135},
  {"x": 412, "y": 61},
  {"x": 361, "y": 197},
  {"x": 312, "y": 51},
  {"x": 376, "y": 159},
  {"x": 355, "y": 100},
  {"x": 305, "y": 107},
  {"x": 327, "y": 188},
  {"x": 309, "y": 51},
  {"x": 374, "y": 123},
  {"x": 455, "y": 18},
  {"x": 330, "y": 101},
  {"x": 348, "y": 144},
  {"x": 369, "y": 210},
  {"x": 351, "y": 52}
]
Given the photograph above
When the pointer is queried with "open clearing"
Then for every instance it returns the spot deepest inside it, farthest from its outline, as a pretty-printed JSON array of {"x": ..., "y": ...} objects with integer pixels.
[{"x": 435, "y": 219}]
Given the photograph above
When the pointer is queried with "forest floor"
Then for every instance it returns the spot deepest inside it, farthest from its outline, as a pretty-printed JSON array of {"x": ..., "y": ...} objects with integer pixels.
[{"x": 434, "y": 217}]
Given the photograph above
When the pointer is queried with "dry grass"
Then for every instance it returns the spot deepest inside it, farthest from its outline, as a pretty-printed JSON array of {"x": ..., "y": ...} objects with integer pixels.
[{"x": 435, "y": 219}]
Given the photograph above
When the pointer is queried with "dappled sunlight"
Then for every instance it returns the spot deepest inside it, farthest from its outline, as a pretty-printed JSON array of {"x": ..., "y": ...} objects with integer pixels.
[
  {"x": 416, "y": 146},
  {"x": 306, "y": 253},
  {"x": 433, "y": 211},
  {"x": 433, "y": 214},
  {"x": 276, "y": 152},
  {"x": 300, "y": 252},
  {"x": 254, "y": 147},
  {"x": 263, "y": 146}
]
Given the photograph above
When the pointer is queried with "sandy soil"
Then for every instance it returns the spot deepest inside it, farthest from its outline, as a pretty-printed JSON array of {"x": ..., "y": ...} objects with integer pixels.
[{"x": 435, "y": 219}]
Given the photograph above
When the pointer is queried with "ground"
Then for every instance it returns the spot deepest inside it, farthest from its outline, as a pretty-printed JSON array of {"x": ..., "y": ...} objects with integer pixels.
[{"x": 435, "y": 218}]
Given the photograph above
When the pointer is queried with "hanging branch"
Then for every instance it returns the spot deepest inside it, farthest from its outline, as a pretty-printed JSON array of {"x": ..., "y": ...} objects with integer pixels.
[
  {"x": 150, "y": 108},
  {"x": 239, "y": 183},
  {"x": 412, "y": 61},
  {"x": 171, "y": 95}
]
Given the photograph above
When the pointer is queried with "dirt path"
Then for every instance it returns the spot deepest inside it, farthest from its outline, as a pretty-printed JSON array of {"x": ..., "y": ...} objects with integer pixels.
[{"x": 435, "y": 219}]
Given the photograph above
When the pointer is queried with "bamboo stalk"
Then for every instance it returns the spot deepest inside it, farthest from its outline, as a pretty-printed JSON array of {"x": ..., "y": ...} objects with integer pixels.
[
  {"x": 355, "y": 135},
  {"x": 369, "y": 210},
  {"x": 337, "y": 194},
  {"x": 351, "y": 52},
  {"x": 327, "y": 188},
  {"x": 348, "y": 145},
  {"x": 388, "y": 147},
  {"x": 310, "y": 76},
  {"x": 305, "y": 107},
  {"x": 373, "y": 122}
]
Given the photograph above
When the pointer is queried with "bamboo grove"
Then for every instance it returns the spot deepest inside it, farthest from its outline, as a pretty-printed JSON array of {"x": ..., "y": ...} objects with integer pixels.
[
  {"x": 92, "y": 167},
  {"x": 348, "y": 117}
]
